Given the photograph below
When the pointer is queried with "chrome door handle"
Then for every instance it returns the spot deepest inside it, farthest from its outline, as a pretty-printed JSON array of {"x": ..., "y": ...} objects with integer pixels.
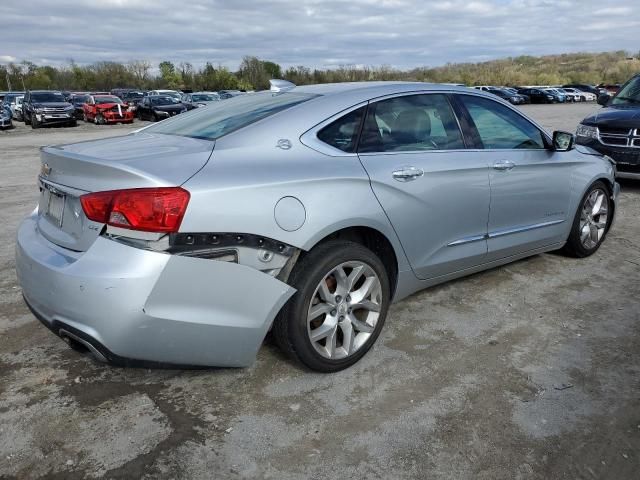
[
  {"x": 407, "y": 174},
  {"x": 503, "y": 165}
]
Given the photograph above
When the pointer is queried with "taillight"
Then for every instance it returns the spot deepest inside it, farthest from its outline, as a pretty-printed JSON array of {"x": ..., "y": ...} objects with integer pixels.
[{"x": 148, "y": 209}]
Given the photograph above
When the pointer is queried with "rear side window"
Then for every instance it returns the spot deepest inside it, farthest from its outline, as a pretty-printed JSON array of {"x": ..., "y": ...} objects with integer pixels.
[
  {"x": 500, "y": 127},
  {"x": 220, "y": 119},
  {"x": 343, "y": 133},
  {"x": 410, "y": 123}
]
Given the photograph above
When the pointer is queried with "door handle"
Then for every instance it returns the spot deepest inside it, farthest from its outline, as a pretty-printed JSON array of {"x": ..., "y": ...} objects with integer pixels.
[
  {"x": 503, "y": 165},
  {"x": 407, "y": 174}
]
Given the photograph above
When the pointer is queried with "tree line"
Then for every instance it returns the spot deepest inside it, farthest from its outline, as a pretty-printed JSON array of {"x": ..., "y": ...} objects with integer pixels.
[{"x": 254, "y": 73}]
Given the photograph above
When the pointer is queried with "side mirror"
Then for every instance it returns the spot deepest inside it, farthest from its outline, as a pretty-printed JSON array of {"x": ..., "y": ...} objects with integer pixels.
[
  {"x": 563, "y": 141},
  {"x": 603, "y": 99}
]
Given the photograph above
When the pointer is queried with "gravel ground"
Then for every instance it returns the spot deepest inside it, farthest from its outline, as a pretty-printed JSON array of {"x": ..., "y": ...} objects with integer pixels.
[{"x": 468, "y": 379}]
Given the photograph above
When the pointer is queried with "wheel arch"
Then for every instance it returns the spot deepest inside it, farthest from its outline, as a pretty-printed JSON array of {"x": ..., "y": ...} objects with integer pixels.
[
  {"x": 387, "y": 249},
  {"x": 610, "y": 184}
]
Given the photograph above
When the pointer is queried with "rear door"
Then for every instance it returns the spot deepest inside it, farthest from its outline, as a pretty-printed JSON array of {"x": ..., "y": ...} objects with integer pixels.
[
  {"x": 434, "y": 192},
  {"x": 530, "y": 183}
]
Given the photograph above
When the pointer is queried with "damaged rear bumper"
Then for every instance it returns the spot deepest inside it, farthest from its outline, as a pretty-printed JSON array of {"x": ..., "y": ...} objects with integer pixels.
[{"x": 134, "y": 305}]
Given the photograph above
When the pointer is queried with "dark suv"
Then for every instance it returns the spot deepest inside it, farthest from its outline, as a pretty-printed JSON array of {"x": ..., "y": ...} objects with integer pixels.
[
  {"x": 615, "y": 130},
  {"x": 583, "y": 87},
  {"x": 46, "y": 107}
]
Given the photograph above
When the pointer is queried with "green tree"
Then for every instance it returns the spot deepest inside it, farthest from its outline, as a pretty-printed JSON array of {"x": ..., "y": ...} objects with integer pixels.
[{"x": 170, "y": 78}]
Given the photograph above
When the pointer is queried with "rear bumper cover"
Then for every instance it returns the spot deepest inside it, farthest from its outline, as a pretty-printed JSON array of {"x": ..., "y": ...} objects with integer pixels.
[{"x": 139, "y": 305}]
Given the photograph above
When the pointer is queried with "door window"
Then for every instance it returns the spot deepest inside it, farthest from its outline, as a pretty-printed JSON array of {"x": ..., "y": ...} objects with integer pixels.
[
  {"x": 500, "y": 127},
  {"x": 410, "y": 123}
]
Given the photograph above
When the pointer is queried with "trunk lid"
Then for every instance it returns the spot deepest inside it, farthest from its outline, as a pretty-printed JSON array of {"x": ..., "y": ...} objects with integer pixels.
[{"x": 132, "y": 161}]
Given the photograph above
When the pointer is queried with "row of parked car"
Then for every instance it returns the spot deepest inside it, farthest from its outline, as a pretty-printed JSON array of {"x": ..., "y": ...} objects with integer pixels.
[
  {"x": 48, "y": 107},
  {"x": 545, "y": 94}
]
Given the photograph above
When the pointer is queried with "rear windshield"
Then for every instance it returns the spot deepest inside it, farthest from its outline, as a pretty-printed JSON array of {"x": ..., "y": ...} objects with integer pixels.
[
  {"x": 166, "y": 100},
  {"x": 203, "y": 98},
  {"x": 215, "y": 121}
]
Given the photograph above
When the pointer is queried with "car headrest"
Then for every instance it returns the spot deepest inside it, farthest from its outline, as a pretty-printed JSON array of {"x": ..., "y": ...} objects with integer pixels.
[{"x": 412, "y": 125}]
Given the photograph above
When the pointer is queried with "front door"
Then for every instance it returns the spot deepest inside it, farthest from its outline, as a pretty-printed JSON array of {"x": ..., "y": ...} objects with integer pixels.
[
  {"x": 530, "y": 183},
  {"x": 435, "y": 193}
]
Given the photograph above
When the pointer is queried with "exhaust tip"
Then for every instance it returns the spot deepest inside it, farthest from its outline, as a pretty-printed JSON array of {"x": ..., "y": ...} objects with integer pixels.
[{"x": 82, "y": 345}]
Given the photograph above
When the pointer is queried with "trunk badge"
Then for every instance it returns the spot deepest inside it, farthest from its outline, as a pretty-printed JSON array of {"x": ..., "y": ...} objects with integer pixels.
[{"x": 45, "y": 170}]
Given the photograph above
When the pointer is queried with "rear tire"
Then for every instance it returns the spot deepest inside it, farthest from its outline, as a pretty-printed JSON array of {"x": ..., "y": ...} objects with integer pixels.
[
  {"x": 591, "y": 222},
  {"x": 34, "y": 123},
  {"x": 348, "y": 284},
  {"x": 27, "y": 119}
]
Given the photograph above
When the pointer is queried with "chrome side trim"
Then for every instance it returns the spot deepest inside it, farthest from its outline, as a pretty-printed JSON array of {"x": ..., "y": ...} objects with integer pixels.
[
  {"x": 501, "y": 233},
  {"x": 463, "y": 241},
  {"x": 524, "y": 228}
]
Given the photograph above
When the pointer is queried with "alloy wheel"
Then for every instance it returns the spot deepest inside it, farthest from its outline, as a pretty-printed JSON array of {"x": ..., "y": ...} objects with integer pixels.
[
  {"x": 344, "y": 310},
  {"x": 593, "y": 218}
]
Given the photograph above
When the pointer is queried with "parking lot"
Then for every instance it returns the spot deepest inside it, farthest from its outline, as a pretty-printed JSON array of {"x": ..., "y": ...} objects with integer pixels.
[{"x": 528, "y": 371}]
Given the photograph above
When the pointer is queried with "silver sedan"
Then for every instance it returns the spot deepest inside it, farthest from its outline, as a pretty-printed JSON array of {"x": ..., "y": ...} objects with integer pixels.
[{"x": 301, "y": 210}]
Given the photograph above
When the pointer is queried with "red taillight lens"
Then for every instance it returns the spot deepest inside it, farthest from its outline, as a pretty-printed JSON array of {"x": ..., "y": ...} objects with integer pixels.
[{"x": 147, "y": 209}]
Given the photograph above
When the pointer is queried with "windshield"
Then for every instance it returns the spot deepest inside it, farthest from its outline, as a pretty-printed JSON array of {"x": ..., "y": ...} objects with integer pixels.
[
  {"x": 100, "y": 100},
  {"x": 47, "y": 97},
  {"x": 133, "y": 95},
  {"x": 230, "y": 115},
  {"x": 629, "y": 94},
  {"x": 10, "y": 97},
  {"x": 80, "y": 98},
  {"x": 163, "y": 100},
  {"x": 203, "y": 98}
]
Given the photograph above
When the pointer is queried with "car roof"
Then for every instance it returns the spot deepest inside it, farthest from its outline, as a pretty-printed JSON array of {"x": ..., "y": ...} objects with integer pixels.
[
  {"x": 380, "y": 86},
  {"x": 355, "y": 92}
]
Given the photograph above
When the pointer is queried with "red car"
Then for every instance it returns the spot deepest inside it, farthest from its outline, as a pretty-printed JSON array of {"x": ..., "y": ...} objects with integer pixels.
[{"x": 102, "y": 109}]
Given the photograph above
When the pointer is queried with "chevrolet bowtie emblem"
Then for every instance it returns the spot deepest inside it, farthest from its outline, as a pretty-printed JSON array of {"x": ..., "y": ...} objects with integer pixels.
[{"x": 45, "y": 170}]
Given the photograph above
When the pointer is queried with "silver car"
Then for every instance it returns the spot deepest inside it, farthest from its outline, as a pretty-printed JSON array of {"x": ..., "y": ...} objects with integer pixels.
[{"x": 302, "y": 210}]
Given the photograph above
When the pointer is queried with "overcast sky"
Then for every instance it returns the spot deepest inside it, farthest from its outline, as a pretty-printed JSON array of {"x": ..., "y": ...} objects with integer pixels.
[{"x": 316, "y": 33}]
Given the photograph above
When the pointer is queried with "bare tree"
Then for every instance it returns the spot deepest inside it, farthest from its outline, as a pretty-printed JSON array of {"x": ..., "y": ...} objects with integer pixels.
[{"x": 139, "y": 69}]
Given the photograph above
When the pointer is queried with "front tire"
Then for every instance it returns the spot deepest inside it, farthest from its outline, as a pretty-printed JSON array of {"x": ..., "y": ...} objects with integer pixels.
[
  {"x": 591, "y": 223},
  {"x": 341, "y": 303}
]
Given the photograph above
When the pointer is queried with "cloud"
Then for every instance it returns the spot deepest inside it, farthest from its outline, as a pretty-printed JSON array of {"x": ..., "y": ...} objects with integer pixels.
[{"x": 315, "y": 33}]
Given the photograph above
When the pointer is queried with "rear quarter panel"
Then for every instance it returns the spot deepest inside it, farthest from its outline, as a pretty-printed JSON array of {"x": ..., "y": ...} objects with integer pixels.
[{"x": 238, "y": 189}]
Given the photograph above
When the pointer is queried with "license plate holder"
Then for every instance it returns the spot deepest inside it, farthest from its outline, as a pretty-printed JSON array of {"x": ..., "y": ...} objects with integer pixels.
[{"x": 55, "y": 202}]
